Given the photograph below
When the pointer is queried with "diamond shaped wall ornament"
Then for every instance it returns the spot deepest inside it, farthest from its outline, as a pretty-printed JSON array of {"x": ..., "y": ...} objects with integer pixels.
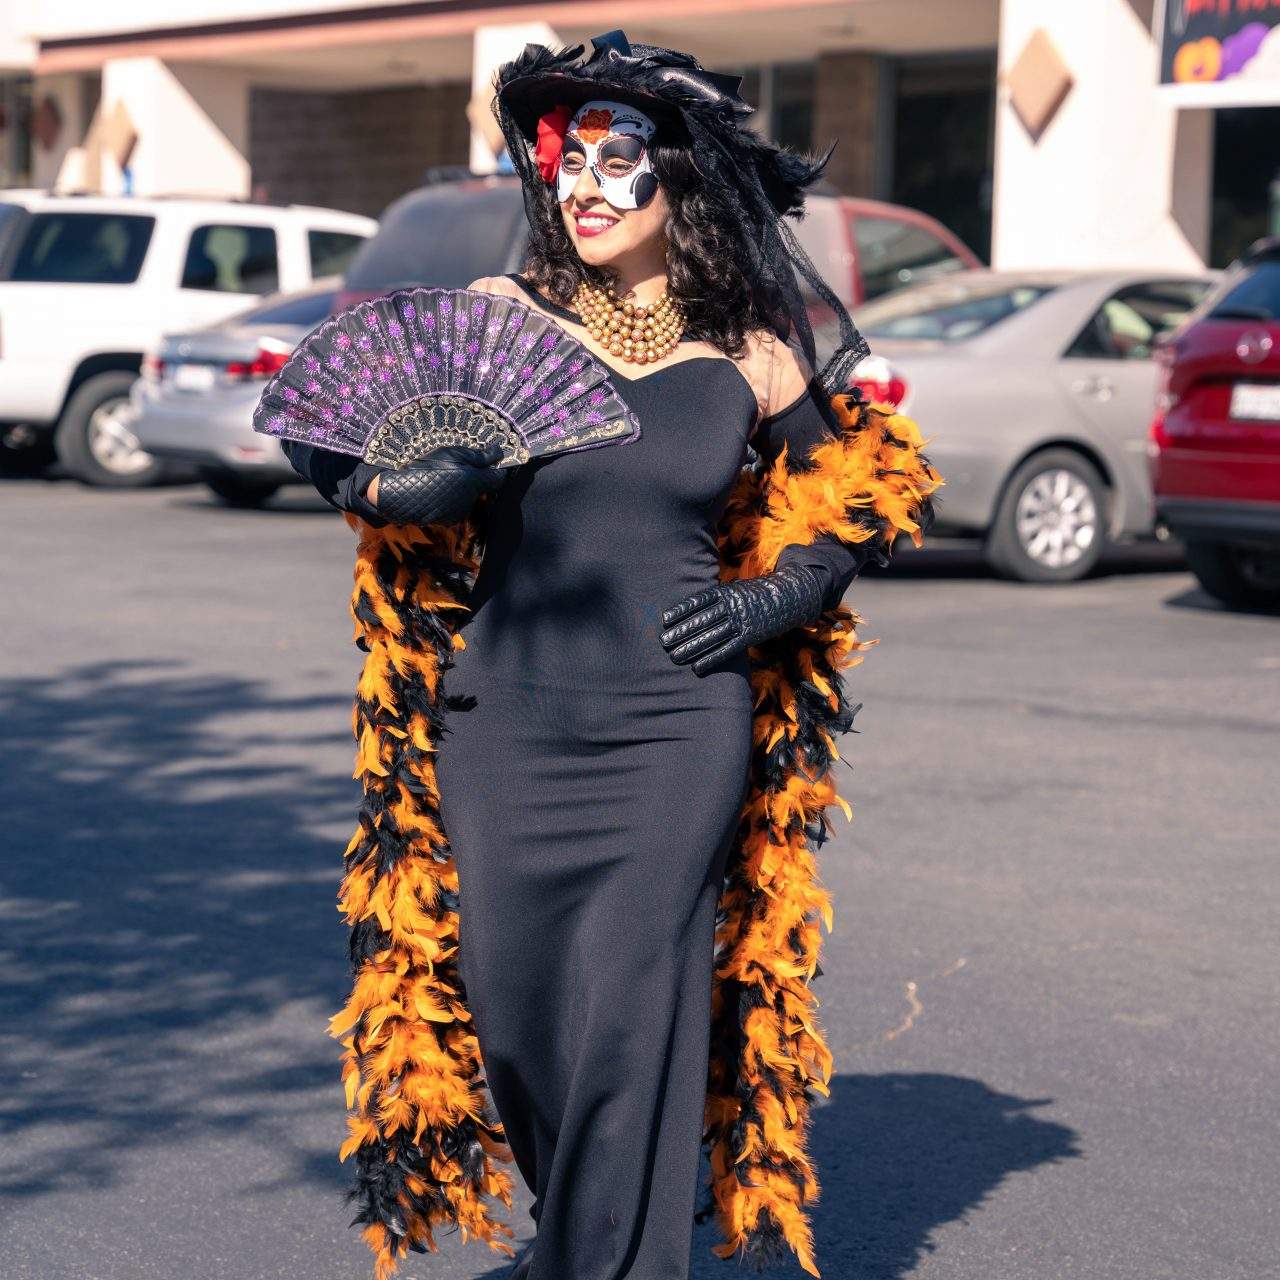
[{"x": 1038, "y": 83}]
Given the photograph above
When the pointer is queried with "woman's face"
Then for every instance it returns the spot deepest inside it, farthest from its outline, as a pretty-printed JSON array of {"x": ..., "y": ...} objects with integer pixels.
[{"x": 612, "y": 203}]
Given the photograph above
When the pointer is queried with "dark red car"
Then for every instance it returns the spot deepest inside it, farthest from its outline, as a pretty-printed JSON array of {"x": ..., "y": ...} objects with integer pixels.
[{"x": 1215, "y": 437}]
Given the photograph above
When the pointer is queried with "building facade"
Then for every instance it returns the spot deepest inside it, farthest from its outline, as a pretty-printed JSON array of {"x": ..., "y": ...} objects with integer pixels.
[{"x": 1043, "y": 134}]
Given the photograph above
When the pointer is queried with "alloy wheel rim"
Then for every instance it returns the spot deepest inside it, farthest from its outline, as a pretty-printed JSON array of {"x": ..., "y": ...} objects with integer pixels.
[
  {"x": 1056, "y": 518},
  {"x": 111, "y": 443}
]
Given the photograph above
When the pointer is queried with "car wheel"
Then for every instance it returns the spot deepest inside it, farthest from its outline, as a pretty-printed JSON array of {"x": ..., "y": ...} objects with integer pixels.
[
  {"x": 95, "y": 440},
  {"x": 1050, "y": 525},
  {"x": 239, "y": 491},
  {"x": 1238, "y": 576}
]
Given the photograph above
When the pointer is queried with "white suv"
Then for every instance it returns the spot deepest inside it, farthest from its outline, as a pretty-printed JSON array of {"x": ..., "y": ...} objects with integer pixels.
[{"x": 89, "y": 284}]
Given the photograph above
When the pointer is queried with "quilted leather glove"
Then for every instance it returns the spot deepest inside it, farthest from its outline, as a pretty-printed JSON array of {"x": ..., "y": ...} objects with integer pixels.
[
  {"x": 709, "y": 626},
  {"x": 440, "y": 487}
]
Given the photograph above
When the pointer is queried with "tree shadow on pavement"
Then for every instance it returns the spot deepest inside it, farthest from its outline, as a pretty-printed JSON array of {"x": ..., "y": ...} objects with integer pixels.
[{"x": 171, "y": 946}]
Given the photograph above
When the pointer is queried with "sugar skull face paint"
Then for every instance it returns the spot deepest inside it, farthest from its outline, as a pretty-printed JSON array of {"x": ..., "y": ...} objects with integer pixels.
[{"x": 612, "y": 140}]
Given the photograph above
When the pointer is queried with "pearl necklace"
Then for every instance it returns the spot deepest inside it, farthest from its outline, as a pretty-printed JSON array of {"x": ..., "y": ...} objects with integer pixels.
[{"x": 638, "y": 334}]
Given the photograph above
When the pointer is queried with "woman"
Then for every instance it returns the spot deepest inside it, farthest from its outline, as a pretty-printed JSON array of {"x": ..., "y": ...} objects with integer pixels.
[{"x": 592, "y": 717}]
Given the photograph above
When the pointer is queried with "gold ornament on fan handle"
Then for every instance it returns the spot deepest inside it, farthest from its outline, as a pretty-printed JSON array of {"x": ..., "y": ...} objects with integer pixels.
[{"x": 461, "y": 429}]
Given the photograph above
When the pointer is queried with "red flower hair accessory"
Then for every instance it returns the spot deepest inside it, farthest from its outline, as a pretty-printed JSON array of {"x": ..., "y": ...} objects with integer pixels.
[{"x": 551, "y": 130}]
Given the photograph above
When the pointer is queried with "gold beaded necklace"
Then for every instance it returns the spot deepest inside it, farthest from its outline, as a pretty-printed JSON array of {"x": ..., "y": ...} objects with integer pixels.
[{"x": 638, "y": 334}]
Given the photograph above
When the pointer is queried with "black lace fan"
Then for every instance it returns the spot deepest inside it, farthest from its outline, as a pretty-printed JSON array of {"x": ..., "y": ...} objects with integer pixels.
[{"x": 391, "y": 379}]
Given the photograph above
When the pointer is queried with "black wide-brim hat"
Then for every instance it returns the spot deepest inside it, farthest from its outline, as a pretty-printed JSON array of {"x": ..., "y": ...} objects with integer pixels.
[
  {"x": 667, "y": 85},
  {"x": 760, "y": 182},
  {"x": 664, "y": 83}
]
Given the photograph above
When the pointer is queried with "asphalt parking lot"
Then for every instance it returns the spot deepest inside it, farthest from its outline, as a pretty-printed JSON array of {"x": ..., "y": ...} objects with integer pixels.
[{"x": 1051, "y": 988}]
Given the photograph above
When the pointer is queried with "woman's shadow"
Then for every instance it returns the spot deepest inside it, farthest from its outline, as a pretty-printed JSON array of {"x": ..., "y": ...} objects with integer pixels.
[{"x": 898, "y": 1155}]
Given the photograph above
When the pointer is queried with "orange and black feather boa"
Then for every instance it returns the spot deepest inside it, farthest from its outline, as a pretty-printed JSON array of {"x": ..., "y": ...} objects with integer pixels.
[{"x": 428, "y": 1148}]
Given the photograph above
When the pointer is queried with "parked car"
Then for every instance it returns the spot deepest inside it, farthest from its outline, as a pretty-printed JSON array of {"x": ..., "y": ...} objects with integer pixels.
[
  {"x": 452, "y": 232},
  {"x": 90, "y": 283},
  {"x": 1035, "y": 390},
  {"x": 193, "y": 404},
  {"x": 1215, "y": 435}
]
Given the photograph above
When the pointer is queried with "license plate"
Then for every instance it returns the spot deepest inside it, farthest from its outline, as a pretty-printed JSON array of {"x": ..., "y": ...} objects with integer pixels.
[
  {"x": 193, "y": 377},
  {"x": 1249, "y": 400}
]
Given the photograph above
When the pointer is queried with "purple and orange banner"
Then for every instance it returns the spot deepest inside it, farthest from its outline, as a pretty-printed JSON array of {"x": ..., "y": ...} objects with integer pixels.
[{"x": 1208, "y": 41}]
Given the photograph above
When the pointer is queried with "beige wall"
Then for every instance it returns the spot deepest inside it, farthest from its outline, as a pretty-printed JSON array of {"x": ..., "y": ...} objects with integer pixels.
[
  {"x": 1118, "y": 178},
  {"x": 192, "y": 126}
]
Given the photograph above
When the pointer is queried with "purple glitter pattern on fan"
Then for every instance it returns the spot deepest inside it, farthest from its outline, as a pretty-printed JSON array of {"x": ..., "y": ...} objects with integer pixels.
[{"x": 357, "y": 368}]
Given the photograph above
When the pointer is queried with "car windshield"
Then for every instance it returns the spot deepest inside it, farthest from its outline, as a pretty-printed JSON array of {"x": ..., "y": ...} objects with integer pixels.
[
  {"x": 948, "y": 311},
  {"x": 83, "y": 248},
  {"x": 1253, "y": 296},
  {"x": 444, "y": 236}
]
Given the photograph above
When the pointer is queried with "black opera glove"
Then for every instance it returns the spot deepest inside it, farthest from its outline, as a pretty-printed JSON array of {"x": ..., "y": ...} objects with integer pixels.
[
  {"x": 440, "y": 487},
  {"x": 711, "y": 625}
]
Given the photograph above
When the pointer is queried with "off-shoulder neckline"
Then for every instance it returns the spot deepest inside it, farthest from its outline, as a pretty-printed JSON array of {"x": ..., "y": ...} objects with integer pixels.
[{"x": 555, "y": 308}]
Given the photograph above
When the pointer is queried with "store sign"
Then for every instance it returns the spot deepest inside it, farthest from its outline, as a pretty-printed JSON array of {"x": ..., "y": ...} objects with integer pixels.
[{"x": 1234, "y": 44}]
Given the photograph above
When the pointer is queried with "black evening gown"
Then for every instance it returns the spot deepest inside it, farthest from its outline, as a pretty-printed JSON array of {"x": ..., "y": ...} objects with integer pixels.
[{"x": 590, "y": 789}]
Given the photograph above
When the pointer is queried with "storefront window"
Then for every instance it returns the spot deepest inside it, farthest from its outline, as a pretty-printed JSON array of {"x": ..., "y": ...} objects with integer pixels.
[
  {"x": 1246, "y": 179},
  {"x": 15, "y": 131},
  {"x": 943, "y": 142},
  {"x": 782, "y": 94}
]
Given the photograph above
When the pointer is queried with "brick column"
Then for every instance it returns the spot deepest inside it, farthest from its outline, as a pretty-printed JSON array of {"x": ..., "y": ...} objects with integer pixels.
[
  {"x": 846, "y": 110},
  {"x": 356, "y": 151}
]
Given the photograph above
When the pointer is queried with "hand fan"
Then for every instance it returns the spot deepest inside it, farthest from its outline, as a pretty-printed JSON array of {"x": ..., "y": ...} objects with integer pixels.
[{"x": 390, "y": 379}]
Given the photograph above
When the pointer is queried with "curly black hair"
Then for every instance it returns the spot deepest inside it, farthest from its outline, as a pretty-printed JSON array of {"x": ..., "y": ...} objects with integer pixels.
[{"x": 706, "y": 252}]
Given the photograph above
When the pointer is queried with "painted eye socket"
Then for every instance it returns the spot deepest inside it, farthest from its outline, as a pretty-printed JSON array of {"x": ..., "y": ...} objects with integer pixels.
[
  {"x": 618, "y": 156},
  {"x": 573, "y": 157}
]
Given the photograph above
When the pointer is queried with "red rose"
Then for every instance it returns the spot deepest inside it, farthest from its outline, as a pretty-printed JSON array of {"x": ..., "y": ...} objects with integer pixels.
[{"x": 551, "y": 130}]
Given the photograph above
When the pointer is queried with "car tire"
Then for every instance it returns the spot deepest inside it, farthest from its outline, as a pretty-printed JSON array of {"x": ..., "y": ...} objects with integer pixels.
[
  {"x": 1050, "y": 524},
  {"x": 241, "y": 491},
  {"x": 94, "y": 445},
  {"x": 1238, "y": 576}
]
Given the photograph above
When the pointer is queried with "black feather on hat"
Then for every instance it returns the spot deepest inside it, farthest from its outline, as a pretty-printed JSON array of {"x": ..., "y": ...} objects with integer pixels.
[{"x": 762, "y": 182}]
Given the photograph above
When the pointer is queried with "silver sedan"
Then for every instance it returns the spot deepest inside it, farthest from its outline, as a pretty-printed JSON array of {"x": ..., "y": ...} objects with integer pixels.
[
  {"x": 1035, "y": 391},
  {"x": 194, "y": 403}
]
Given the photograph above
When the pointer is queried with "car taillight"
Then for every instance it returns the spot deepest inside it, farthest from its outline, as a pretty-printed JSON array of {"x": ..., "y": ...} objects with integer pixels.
[
  {"x": 152, "y": 367},
  {"x": 879, "y": 381},
  {"x": 1157, "y": 435},
  {"x": 269, "y": 360}
]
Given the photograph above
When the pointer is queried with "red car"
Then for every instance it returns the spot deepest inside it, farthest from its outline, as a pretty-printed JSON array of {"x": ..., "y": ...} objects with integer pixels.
[{"x": 1215, "y": 437}]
